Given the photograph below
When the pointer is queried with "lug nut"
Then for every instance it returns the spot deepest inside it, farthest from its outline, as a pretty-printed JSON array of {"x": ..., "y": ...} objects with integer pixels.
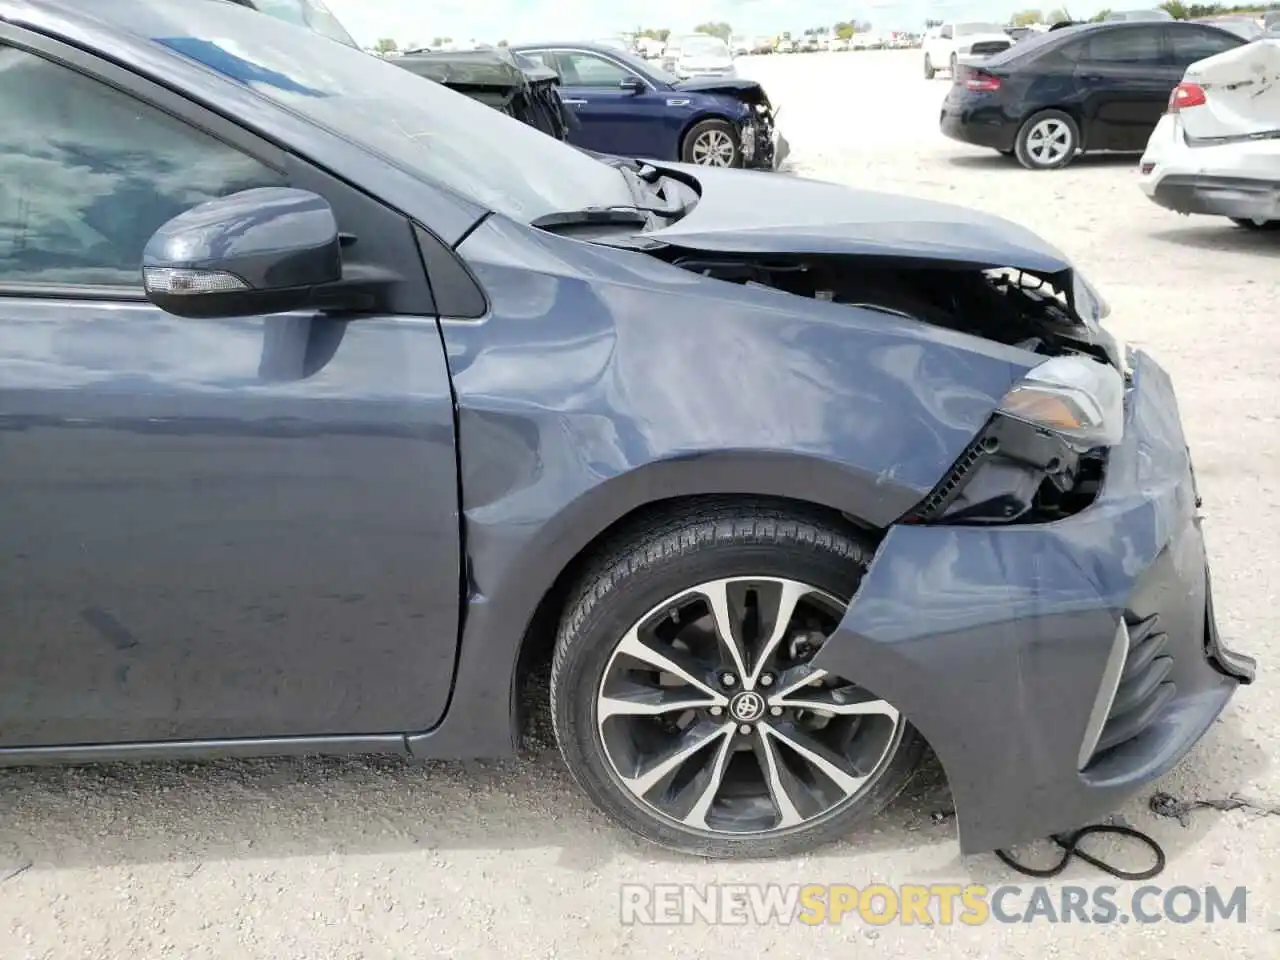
[
  {"x": 716, "y": 711},
  {"x": 766, "y": 680},
  {"x": 776, "y": 711},
  {"x": 728, "y": 679},
  {"x": 745, "y": 728}
]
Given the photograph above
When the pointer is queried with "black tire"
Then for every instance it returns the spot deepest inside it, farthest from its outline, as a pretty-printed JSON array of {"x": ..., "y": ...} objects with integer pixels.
[
  {"x": 644, "y": 568},
  {"x": 1022, "y": 150},
  {"x": 1253, "y": 225},
  {"x": 929, "y": 72},
  {"x": 709, "y": 128},
  {"x": 953, "y": 64}
]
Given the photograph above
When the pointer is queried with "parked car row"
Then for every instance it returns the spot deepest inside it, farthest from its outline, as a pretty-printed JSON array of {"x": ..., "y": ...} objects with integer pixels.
[
  {"x": 1200, "y": 98},
  {"x": 858, "y": 41},
  {"x": 336, "y": 404},
  {"x": 599, "y": 96}
]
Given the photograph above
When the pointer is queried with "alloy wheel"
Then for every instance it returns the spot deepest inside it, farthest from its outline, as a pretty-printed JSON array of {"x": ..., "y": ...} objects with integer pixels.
[
  {"x": 712, "y": 716},
  {"x": 714, "y": 148},
  {"x": 1049, "y": 141}
]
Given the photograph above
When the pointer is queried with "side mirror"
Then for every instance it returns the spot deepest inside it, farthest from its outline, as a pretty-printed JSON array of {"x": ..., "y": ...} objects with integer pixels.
[
  {"x": 265, "y": 250},
  {"x": 633, "y": 84}
]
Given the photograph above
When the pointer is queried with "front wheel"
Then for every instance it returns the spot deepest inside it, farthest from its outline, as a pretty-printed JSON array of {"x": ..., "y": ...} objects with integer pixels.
[
  {"x": 683, "y": 695},
  {"x": 712, "y": 143},
  {"x": 1047, "y": 141},
  {"x": 929, "y": 72},
  {"x": 1256, "y": 224}
]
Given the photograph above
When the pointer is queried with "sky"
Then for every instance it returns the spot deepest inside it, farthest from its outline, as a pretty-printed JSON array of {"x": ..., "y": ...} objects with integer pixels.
[{"x": 535, "y": 20}]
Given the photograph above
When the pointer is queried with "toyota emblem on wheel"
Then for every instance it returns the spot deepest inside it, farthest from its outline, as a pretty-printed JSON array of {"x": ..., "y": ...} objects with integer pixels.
[{"x": 747, "y": 707}]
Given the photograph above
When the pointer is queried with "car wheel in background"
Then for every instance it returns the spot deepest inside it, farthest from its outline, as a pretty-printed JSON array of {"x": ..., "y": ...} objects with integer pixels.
[
  {"x": 953, "y": 65},
  {"x": 682, "y": 691},
  {"x": 929, "y": 72},
  {"x": 712, "y": 143},
  {"x": 1256, "y": 224},
  {"x": 1047, "y": 141}
]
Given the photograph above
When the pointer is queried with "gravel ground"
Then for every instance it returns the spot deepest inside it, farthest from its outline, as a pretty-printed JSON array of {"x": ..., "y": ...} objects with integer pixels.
[{"x": 377, "y": 859}]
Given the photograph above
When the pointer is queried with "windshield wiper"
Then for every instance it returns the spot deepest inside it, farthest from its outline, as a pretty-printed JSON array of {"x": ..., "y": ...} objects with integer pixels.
[{"x": 593, "y": 216}]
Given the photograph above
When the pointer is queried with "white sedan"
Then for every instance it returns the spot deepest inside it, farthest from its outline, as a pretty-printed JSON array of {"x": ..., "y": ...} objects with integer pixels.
[{"x": 1216, "y": 151}]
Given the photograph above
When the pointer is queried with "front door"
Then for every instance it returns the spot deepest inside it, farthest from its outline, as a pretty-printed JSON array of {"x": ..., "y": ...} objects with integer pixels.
[
  {"x": 1124, "y": 81},
  {"x": 208, "y": 528},
  {"x": 627, "y": 122}
]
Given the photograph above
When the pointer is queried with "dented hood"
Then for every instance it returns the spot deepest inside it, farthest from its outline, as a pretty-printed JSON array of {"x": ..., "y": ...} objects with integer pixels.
[
  {"x": 748, "y": 213},
  {"x": 736, "y": 86},
  {"x": 1242, "y": 93}
]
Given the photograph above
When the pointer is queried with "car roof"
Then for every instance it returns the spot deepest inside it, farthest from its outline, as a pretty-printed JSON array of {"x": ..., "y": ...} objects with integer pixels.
[{"x": 1055, "y": 38}]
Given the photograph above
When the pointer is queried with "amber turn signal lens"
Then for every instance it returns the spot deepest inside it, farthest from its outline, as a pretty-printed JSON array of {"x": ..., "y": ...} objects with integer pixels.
[{"x": 1042, "y": 408}]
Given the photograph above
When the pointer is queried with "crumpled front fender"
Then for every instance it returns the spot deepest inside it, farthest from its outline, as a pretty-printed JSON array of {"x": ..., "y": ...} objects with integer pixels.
[{"x": 994, "y": 641}]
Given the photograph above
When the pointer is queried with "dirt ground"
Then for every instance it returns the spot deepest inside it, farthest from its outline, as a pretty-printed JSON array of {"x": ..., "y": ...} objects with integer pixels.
[{"x": 377, "y": 859}]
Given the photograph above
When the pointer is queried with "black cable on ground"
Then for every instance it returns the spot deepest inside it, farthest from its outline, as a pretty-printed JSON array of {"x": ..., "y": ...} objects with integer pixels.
[{"x": 1070, "y": 845}]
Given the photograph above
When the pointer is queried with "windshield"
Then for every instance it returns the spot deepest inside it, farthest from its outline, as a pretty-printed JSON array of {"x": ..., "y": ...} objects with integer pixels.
[
  {"x": 643, "y": 67},
  {"x": 423, "y": 128},
  {"x": 703, "y": 46},
  {"x": 962, "y": 29},
  {"x": 1241, "y": 27}
]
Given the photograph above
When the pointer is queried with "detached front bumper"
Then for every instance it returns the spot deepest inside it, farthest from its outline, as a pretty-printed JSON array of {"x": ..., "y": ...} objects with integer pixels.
[{"x": 1014, "y": 649}]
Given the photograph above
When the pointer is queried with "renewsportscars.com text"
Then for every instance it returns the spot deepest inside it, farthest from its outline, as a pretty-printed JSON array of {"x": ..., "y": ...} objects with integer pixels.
[{"x": 926, "y": 904}]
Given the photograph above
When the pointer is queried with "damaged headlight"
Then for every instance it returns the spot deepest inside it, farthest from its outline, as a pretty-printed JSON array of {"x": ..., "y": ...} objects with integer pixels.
[{"x": 1078, "y": 398}]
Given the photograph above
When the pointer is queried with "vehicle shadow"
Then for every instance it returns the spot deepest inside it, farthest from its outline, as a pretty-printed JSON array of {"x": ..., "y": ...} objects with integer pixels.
[
  {"x": 998, "y": 161},
  {"x": 187, "y": 814},
  {"x": 1219, "y": 235}
]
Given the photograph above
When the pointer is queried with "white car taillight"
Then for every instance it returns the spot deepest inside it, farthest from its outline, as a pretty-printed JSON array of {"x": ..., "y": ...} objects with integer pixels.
[{"x": 1186, "y": 95}]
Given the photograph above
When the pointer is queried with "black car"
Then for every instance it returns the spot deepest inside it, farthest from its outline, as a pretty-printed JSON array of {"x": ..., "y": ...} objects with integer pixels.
[{"x": 1088, "y": 87}]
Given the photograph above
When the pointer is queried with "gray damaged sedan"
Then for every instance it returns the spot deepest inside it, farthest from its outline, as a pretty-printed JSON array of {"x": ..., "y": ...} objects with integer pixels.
[{"x": 333, "y": 403}]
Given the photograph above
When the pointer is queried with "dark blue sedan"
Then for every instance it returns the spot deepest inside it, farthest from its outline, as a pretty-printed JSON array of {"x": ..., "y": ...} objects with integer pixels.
[
  {"x": 630, "y": 107},
  {"x": 335, "y": 405}
]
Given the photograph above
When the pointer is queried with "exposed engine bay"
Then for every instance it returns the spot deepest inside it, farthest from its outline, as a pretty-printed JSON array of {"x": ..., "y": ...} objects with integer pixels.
[{"x": 1013, "y": 472}]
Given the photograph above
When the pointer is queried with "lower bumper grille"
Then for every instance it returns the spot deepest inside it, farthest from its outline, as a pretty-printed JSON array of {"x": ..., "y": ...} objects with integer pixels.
[{"x": 1145, "y": 687}]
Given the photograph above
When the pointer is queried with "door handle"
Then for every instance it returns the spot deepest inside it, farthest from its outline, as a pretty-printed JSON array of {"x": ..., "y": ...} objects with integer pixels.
[{"x": 575, "y": 102}]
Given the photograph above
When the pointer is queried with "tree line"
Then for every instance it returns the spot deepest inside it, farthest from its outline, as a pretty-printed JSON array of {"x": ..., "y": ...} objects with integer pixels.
[{"x": 1175, "y": 9}]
